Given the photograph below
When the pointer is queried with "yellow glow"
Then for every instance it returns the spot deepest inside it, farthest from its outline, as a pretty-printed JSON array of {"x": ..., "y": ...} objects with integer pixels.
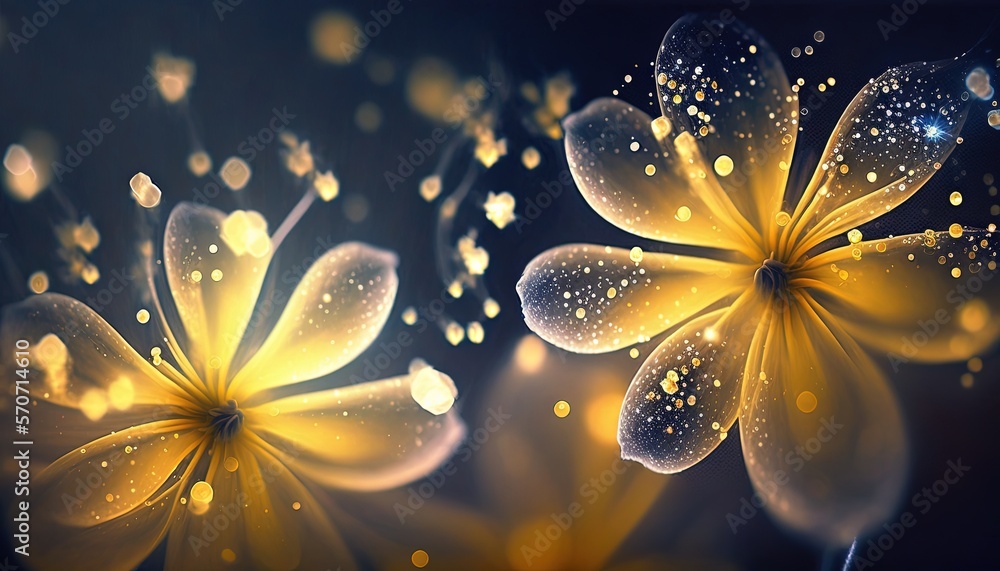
[
  {"x": 94, "y": 404},
  {"x": 121, "y": 393},
  {"x": 202, "y": 492},
  {"x": 144, "y": 191},
  {"x": 433, "y": 390},
  {"x": 235, "y": 173},
  {"x": 561, "y": 409}
]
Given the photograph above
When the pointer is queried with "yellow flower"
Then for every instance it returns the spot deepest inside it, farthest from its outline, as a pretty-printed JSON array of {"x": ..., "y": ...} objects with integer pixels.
[
  {"x": 768, "y": 325},
  {"x": 213, "y": 444}
]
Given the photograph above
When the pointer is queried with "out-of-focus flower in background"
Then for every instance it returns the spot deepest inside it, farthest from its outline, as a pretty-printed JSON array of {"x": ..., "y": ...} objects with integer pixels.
[
  {"x": 552, "y": 491},
  {"x": 767, "y": 321}
]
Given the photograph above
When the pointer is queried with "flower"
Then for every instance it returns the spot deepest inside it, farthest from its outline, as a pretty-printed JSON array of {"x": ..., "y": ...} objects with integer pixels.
[
  {"x": 768, "y": 321},
  {"x": 212, "y": 445}
]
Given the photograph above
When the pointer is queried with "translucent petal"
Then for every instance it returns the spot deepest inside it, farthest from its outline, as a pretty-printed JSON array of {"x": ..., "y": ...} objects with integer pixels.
[
  {"x": 123, "y": 542},
  {"x": 733, "y": 96},
  {"x": 594, "y": 299},
  {"x": 674, "y": 413},
  {"x": 902, "y": 297},
  {"x": 113, "y": 475},
  {"x": 821, "y": 430},
  {"x": 893, "y": 136},
  {"x": 79, "y": 357},
  {"x": 368, "y": 436},
  {"x": 261, "y": 516},
  {"x": 334, "y": 314},
  {"x": 214, "y": 288},
  {"x": 664, "y": 189}
]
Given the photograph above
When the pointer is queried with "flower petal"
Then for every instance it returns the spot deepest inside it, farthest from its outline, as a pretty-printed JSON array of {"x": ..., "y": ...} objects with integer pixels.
[
  {"x": 84, "y": 361},
  {"x": 260, "y": 517},
  {"x": 821, "y": 430},
  {"x": 892, "y": 138},
  {"x": 111, "y": 476},
  {"x": 903, "y": 298},
  {"x": 369, "y": 436},
  {"x": 214, "y": 292},
  {"x": 594, "y": 299},
  {"x": 685, "y": 398},
  {"x": 333, "y": 315},
  {"x": 662, "y": 190},
  {"x": 733, "y": 96},
  {"x": 123, "y": 542}
]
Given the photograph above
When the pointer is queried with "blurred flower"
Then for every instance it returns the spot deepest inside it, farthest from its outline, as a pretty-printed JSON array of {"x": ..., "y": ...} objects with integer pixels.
[
  {"x": 198, "y": 447},
  {"x": 768, "y": 326},
  {"x": 552, "y": 492}
]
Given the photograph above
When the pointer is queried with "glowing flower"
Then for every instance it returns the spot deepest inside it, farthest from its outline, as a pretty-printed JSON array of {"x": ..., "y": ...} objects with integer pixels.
[
  {"x": 769, "y": 325},
  {"x": 213, "y": 445}
]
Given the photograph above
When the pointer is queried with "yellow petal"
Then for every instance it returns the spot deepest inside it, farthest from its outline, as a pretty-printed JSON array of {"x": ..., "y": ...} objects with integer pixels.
[
  {"x": 685, "y": 398},
  {"x": 821, "y": 431},
  {"x": 745, "y": 116},
  {"x": 79, "y": 357},
  {"x": 892, "y": 138},
  {"x": 334, "y": 314},
  {"x": 111, "y": 476},
  {"x": 902, "y": 301},
  {"x": 367, "y": 436},
  {"x": 594, "y": 299},
  {"x": 260, "y": 517},
  {"x": 131, "y": 537},
  {"x": 213, "y": 287},
  {"x": 663, "y": 189}
]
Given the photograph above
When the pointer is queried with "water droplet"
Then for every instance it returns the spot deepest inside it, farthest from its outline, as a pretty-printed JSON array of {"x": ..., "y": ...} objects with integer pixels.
[
  {"x": 420, "y": 559},
  {"x": 796, "y": 52},
  {"x": 202, "y": 492},
  {"x": 819, "y": 36},
  {"x": 581, "y": 313},
  {"x": 216, "y": 275},
  {"x": 806, "y": 401},
  {"x": 854, "y": 236},
  {"x": 231, "y": 464},
  {"x": 955, "y": 198},
  {"x": 956, "y": 273},
  {"x": 634, "y": 353},
  {"x": 195, "y": 276},
  {"x": 635, "y": 254},
  {"x": 782, "y": 218},
  {"x": 871, "y": 176},
  {"x": 296, "y": 506},
  {"x": 683, "y": 214},
  {"x": 142, "y": 316},
  {"x": 723, "y": 165},
  {"x": 955, "y": 230},
  {"x": 634, "y": 146},
  {"x": 561, "y": 409},
  {"x": 650, "y": 170}
]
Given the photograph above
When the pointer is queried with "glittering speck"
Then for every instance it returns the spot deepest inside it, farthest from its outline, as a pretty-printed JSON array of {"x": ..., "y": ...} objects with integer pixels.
[
  {"x": 142, "y": 316},
  {"x": 955, "y": 199},
  {"x": 561, "y": 409}
]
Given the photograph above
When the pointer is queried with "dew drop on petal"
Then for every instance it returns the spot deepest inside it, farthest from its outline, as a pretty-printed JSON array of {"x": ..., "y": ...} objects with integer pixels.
[
  {"x": 635, "y": 254},
  {"x": 581, "y": 313},
  {"x": 819, "y": 36},
  {"x": 634, "y": 353},
  {"x": 142, "y": 316},
  {"x": 683, "y": 214},
  {"x": 806, "y": 401},
  {"x": 650, "y": 170},
  {"x": 956, "y": 273},
  {"x": 955, "y": 230},
  {"x": 420, "y": 559},
  {"x": 216, "y": 275},
  {"x": 231, "y": 464},
  {"x": 661, "y": 127},
  {"x": 871, "y": 176},
  {"x": 202, "y": 492},
  {"x": 561, "y": 409},
  {"x": 723, "y": 165},
  {"x": 195, "y": 276},
  {"x": 854, "y": 236},
  {"x": 782, "y": 218}
]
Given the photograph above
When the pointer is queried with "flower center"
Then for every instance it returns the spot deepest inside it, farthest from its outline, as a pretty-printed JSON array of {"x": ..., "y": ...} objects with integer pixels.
[
  {"x": 226, "y": 420},
  {"x": 771, "y": 279}
]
